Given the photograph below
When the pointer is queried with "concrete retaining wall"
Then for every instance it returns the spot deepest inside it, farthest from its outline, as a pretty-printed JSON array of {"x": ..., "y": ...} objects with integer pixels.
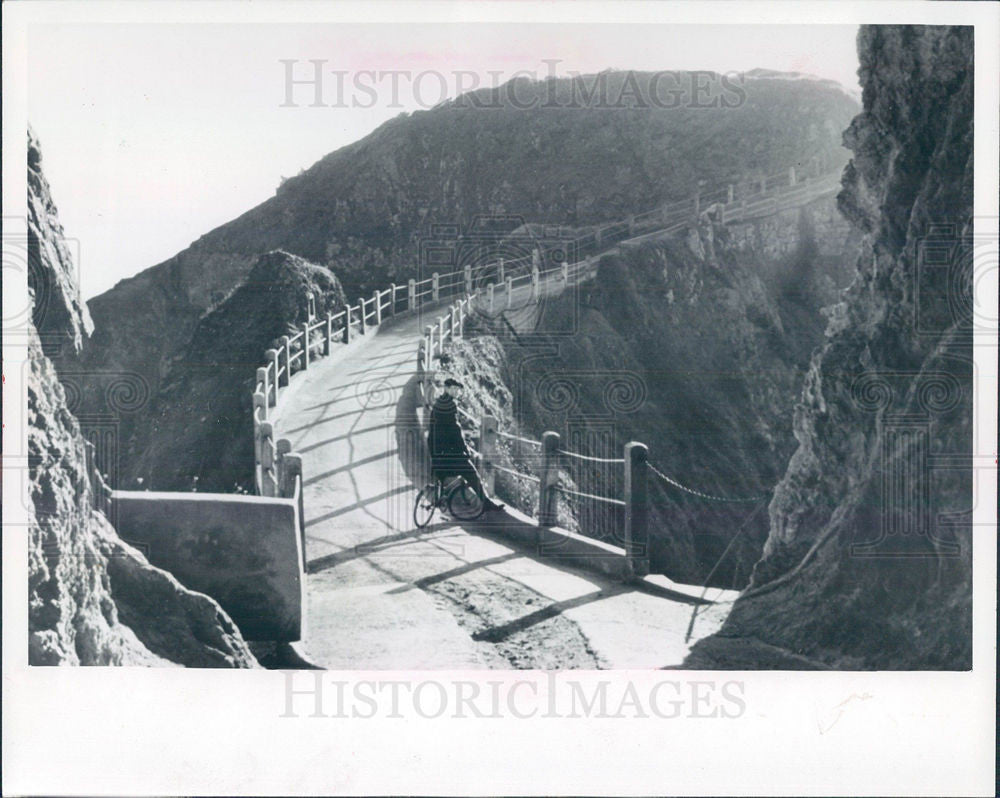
[{"x": 243, "y": 551}]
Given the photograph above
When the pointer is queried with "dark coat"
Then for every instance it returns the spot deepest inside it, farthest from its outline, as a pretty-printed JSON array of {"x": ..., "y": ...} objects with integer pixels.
[{"x": 444, "y": 436}]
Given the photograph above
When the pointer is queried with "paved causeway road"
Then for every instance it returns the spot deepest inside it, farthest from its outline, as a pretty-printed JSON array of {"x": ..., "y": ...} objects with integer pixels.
[{"x": 384, "y": 595}]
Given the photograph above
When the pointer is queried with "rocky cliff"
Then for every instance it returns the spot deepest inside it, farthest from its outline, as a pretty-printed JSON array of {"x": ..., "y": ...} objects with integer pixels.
[
  {"x": 868, "y": 559},
  {"x": 563, "y": 151},
  {"x": 92, "y": 598}
]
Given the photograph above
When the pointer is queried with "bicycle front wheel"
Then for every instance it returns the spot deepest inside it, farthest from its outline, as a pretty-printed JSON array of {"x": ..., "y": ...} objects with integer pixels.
[
  {"x": 464, "y": 503},
  {"x": 423, "y": 508}
]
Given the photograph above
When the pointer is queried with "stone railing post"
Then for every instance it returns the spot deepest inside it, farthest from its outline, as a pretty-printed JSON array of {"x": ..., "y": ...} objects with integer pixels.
[
  {"x": 275, "y": 360},
  {"x": 548, "y": 479},
  {"x": 305, "y": 346},
  {"x": 264, "y": 392},
  {"x": 361, "y": 315},
  {"x": 636, "y": 509},
  {"x": 435, "y": 287},
  {"x": 282, "y": 446},
  {"x": 286, "y": 350},
  {"x": 378, "y": 308},
  {"x": 267, "y": 485},
  {"x": 468, "y": 278},
  {"x": 488, "y": 448},
  {"x": 510, "y": 290}
]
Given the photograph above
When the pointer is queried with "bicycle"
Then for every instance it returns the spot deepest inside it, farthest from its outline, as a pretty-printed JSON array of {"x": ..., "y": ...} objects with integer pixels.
[{"x": 461, "y": 501}]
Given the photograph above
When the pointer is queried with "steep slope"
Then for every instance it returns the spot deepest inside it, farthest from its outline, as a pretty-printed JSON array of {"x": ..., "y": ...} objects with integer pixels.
[
  {"x": 569, "y": 158},
  {"x": 92, "y": 598},
  {"x": 868, "y": 561}
]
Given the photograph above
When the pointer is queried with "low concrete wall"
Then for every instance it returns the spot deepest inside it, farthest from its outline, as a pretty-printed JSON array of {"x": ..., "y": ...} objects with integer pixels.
[
  {"x": 556, "y": 545},
  {"x": 243, "y": 551}
]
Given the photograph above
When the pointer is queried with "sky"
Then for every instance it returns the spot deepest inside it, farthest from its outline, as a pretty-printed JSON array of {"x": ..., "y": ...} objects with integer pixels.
[{"x": 153, "y": 135}]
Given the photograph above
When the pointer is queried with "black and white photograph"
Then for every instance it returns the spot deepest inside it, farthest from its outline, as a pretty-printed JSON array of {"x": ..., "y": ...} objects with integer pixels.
[{"x": 456, "y": 362}]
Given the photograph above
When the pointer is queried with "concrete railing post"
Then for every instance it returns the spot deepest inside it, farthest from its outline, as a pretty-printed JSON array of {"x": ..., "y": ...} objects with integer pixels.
[
  {"x": 565, "y": 271},
  {"x": 265, "y": 391},
  {"x": 361, "y": 315},
  {"x": 286, "y": 351},
  {"x": 378, "y": 308},
  {"x": 548, "y": 479},
  {"x": 411, "y": 295},
  {"x": 305, "y": 346},
  {"x": 631, "y": 225},
  {"x": 468, "y": 278},
  {"x": 636, "y": 509},
  {"x": 428, "y": 386},
  {"x": 293, "y": 474},
  {"x": 729, "y": 193},
  {"x": 282, "y": 446},
  {"x": 534, "y": 282},
  {"x": 267, "y": 485},
  {"x": 275, "y": 360},
  {"x": 259, "y": 400},
  {"x": 510, "y": 290},
  {"x": 328, "y": 336},
  {"x": 791, "y": 175},
  {"x": 489, "y": 297},
  {"x": 597, "y": 236},
  {"x": 435, "y": 287},
  {"x": 392, "y": 300},
  {"x": 500, "y": 276},
  {"x": 488, "y": 448}
]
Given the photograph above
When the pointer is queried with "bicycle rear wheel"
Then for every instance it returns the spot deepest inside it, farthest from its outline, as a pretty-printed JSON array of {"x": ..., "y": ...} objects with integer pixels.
[
  {"x": 424, "y": 506},
  {"x": 464, "y": 503}
]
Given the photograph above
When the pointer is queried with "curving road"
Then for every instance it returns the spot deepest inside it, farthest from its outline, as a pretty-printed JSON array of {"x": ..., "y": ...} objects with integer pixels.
[{"x": 384, "y": 595}]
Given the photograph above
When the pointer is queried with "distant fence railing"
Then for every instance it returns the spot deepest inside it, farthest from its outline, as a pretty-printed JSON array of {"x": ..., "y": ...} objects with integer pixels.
[{"x": 491, "y": 289}]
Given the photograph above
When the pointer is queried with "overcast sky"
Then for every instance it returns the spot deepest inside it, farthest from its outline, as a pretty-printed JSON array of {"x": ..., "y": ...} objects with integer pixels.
[{"x": 153, "y": 135}]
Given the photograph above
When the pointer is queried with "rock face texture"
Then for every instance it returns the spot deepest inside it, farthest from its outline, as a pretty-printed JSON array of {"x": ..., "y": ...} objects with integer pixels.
[
  {"x": 195, "y": 432},
  {"x": 564, "y": 151},
  {"x": 696, "y": 345},
  {"x": 868, "y": 560},
  {"x": 92, "y": 598}
]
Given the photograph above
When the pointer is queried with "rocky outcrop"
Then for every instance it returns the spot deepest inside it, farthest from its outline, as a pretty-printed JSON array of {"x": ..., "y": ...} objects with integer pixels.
[
  {"x": 58, "y": 314},
  {"x": 195, "y": 434},
  {"x": 92, "y": 598},
  {"x": 868, "y": 560}
]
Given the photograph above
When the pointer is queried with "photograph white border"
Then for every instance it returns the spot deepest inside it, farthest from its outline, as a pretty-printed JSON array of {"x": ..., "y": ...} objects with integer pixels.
[{"x": 73, "y": 731}]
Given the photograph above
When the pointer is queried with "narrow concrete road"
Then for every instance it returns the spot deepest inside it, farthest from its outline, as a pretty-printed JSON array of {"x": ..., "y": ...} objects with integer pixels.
[{"x": 384, "y": 595}]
